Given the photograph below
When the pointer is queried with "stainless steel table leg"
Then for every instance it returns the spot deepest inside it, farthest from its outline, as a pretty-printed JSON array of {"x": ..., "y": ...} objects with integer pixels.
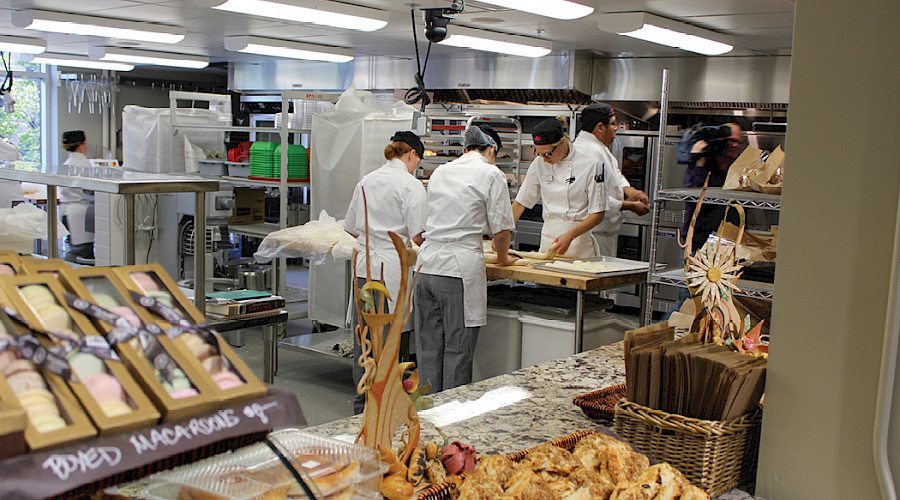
[
  {"x": 579, "y": 321},
  {"x": 52, "y": 233},
  {"x": 269, "y": 354},
  {"x": 200, "y": 252},
  {"x": 129, "y": 229}
]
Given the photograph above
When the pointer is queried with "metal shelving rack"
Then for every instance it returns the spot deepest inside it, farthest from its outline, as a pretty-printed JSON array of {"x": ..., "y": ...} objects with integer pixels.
[{"x": 714, "y": 196}]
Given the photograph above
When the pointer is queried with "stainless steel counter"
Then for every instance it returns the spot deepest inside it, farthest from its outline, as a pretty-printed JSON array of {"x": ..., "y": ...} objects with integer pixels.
[{"x": 127, "y": 184}]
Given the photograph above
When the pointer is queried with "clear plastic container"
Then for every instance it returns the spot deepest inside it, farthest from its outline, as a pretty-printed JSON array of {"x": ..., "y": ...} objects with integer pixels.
[{"x": 331, "y": 468}]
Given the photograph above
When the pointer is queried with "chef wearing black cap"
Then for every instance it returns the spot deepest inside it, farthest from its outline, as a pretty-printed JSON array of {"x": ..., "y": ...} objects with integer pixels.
[
  {"x": 395, "y": 202},
  {"x": 598, "y": 130},
  {"x": 572, "y": 193},
  {"x": 75, "y": 210},
  {"x": 466, "y": 198}
]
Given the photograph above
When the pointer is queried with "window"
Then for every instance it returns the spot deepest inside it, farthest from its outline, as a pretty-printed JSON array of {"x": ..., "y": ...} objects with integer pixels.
[{"x": 24, "y": 126}]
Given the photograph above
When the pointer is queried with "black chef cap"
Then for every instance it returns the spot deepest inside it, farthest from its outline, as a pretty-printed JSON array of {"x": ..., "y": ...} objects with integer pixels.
[
  {"x": 549, "y": 131},
  {"x": 410, "y": 138},
  {"x": 594, "y": 114},
  {"x": 493, "y": 135},
  {"x": 73, "y": 137}
]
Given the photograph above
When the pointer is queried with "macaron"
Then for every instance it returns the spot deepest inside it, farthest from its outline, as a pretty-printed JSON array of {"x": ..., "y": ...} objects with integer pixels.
[
  {"x": 104, "y": 387},
  {"x": 227, "y": 380},
  {"x": 145, "y": 282},
  {"x": 180, "y": 382},
  {"x": 54, "y": 317},
  {"x": 115, "y": 408},
  {"x": 19, "y": 365},
  {"x": 38, "y": 296},
  {"x": 7, "y": 357},
  {"x": 7, "y": 270},
  {"x": 47, "y": 423},
  {"x": 105, "y": 301},
  {"x": 127, "y": 313},
  {"x": 184, "y": 393},
  {"x": 214, "y": 364},
  {"x": 36, "y": 410},
  {"x": 25, "y": 380},
  {"x": 33, "y": 397},
  {"x": 163, "y": 297},
  {"x": 84, "y": 365}
]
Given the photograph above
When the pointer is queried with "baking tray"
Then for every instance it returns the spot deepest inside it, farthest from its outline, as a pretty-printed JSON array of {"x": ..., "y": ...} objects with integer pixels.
[{"x": 624, "y": 266}]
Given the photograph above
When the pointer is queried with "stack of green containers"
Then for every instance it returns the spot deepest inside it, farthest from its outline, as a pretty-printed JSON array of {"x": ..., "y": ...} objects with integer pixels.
[
  {"x": 297, "y": 162},
  {"x": 261, "y": 160}
]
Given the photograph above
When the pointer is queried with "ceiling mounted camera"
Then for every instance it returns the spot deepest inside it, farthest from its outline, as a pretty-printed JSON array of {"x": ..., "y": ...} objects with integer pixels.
[{"x": 436, "y": 21}]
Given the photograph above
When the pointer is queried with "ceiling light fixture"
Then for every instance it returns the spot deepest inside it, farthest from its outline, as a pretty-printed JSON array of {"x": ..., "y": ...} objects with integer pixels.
[
  {"x": 557, "y": 9},
  {"x": 655, "y": 29},
  {"x": 136, "y": 56},
  {"x": 75, "y": 61},
  {"x": 502, "y": 43},
  {"x": 22, "y": 45},
  {"x": 58, "y": 22},
  {"x": 343, "y": 16},
  {"x": 288, "y": 49}
]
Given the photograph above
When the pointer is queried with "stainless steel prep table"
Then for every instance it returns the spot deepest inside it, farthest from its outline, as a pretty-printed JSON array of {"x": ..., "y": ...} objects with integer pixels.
[{"x": 127, "y": 184}]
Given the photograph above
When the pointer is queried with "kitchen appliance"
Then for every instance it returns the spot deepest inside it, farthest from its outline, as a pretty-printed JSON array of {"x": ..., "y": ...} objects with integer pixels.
[{"x": 255, "y": 278}]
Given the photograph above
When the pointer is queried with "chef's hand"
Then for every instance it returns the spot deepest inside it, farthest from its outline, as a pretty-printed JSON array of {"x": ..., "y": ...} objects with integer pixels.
[
  {"x": 636, "y": 195},
  {"x": 494, "y": 245},
  {"x": 637, "y": 207},
  {"x": 561, "y": 244},
  {"x": 699, "y": 146},
  {"x": 506, "y": 260}
]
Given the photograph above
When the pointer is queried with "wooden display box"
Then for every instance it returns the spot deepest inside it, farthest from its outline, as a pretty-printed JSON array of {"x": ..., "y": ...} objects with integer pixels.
[
  {"x": 12, "y": 423},
  {"x": 143, "y": 412},
  {"x": 105, "y": 280},
  {"x": 31, "y": 265},
  {"x": 12, "y": 260},
  {"x": 79, "y": 425},
  {"x": 252, "y": 386}
]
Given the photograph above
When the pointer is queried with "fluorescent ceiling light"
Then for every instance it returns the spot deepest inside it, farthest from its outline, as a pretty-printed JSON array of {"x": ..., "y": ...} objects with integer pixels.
[
  {"x": 343, "y": 16},
  {"x": 58, "y": 22},
  {"x": 74, "y": 61},
  {"x": 651, "y": 28},
  {"x": 22, "y": 45},
  {"x": 136, "y": 56},
  {"x": 284, "y": 48},
  {"x": 490, "y": 41},
  {"x": 557, "y": 9}
]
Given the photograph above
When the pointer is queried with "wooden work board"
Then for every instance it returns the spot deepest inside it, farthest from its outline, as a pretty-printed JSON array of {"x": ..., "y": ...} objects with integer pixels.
[{"x": 560, "y": 279}]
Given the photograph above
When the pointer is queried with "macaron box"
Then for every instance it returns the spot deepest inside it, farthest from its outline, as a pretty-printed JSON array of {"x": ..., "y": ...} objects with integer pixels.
[
  {"x": 186, "y": 390},
  {"x": 231, "y": 376},
  {"x": 12, "y": 424},
  {"x": 105, "y": 388},
  {"x": 54, "y": 415}
]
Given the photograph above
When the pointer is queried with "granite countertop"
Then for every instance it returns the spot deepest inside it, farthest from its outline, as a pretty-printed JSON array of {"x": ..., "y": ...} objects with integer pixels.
[{"x": 547, "y": 414}]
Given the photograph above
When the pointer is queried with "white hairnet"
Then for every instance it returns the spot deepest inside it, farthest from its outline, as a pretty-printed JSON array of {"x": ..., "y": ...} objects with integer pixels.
[{"x": 475, "y": 137}]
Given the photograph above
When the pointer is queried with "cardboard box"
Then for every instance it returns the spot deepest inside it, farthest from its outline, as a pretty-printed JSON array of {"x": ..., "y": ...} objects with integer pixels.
[
  {"x": 249, "y": 206},
  {"x": 88, "y": 282},
  {"x": 12, "y": 424},
  {"x": 30, "y": 265},
  {"x": 252, "y": 386},
  {"x": 143, "y": 412}
]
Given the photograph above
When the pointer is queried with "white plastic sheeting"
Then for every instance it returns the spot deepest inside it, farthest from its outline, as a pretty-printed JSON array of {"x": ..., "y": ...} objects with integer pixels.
[
  {"x": 20, "y": 225},
  {"x": 313, "y": 240},
  {"x": 347, "y": 143},
  {"x": 151, "y": 144}
]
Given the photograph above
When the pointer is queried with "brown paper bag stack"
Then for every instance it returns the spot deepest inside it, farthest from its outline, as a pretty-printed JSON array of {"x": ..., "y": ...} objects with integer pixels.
[{"x": 750, "y": 173}]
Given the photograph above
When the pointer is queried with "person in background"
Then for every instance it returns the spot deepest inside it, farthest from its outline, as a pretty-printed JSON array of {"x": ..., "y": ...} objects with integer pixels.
[
  {"x": 76, "y": 212},
  {"x": 395, "y": 201},
  {"x": 466, "y": 197},
  {"x": 572, "y": 194},
  {"x": 10, "y": 191},
  {"x": 598, "y": 130}
]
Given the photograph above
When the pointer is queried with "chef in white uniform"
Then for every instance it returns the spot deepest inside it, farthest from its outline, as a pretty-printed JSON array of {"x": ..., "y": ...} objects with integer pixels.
[
  {"x": 598, "y": 130},
  {"x": 572, "y": 194},
  {"x": 467, "y": 198},
  {"x": 395, "y": 201},
  {"x": 75, "y": 210},
  {"x": 10, "y": 191}
]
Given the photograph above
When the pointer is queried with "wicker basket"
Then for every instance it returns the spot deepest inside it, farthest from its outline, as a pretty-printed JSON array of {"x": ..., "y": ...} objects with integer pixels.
[
  {"x": 716, "y": 456},
  {"x": 602, "y": 403}
]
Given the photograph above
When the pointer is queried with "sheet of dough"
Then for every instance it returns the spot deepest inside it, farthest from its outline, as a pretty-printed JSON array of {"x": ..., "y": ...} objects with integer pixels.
[{"x": 582, "y": 266}]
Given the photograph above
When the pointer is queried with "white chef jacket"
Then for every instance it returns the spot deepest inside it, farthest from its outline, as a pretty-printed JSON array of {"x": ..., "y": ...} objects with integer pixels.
[
  {"x": 10, "y": 191},
  {"x": 467, "y": 198},
  {"x": 588, "y": 144},
  {"x": 569, "y": 191},
  {"x": 396, "y": 202},
  {"x": 73, "y": 204}
]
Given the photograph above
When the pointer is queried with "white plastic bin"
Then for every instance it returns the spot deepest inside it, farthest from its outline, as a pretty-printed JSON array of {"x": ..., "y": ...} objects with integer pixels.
[
  {"x": 547, "y": 337},
  {"x": 499, "y": 347}
]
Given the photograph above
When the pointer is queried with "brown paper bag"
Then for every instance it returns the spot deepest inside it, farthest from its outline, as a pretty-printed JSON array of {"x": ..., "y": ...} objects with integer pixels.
[{"x": 750, "y": 173}]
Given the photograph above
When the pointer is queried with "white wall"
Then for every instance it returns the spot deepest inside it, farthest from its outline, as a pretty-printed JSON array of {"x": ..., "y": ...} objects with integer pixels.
[{"x": 838, "y": 223}]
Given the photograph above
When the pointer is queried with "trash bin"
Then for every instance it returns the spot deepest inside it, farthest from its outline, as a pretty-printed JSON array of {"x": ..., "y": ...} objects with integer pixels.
[{"x": 546, "y": 337}]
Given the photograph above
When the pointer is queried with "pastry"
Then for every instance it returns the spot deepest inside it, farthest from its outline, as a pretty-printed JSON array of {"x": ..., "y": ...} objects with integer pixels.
[
  {"x": 7, "y": 270},
  {"x": 39, "y": 296},
  {"x": 104, "y": 387},
  {"x": 551, "y": 459},
  {"x": 115, "y": 408},
  {"x": 84, "y": 365},
  {"x": 213, "y": 364},
  {"x": 127, "y": 313},
  {"x": 24, "y": 380},
  {"x": 145, "y": 282},
  {"x": 105, "y": 301},
  {"x": 163, "y": 297},
  {"x": 7, "y": 357},
  {"x": 54, "y": 317},
  {"x": 32, "y": 397},
  {"x": 184, "y": 393},
  {"x": 227, "y": 380},
  {"x": 47, "y": 423}
]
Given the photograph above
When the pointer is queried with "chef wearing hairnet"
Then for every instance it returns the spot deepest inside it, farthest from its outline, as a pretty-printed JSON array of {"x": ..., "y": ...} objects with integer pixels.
[
  {"x": 395, "y": 201},
  {"x": 10, "y": 191},
  {"x": 466, "y": 198},
  {"x": 598, "y": 130},
  {"x": 76, "y": 212},
  {"x": 571, "y": 192}
]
